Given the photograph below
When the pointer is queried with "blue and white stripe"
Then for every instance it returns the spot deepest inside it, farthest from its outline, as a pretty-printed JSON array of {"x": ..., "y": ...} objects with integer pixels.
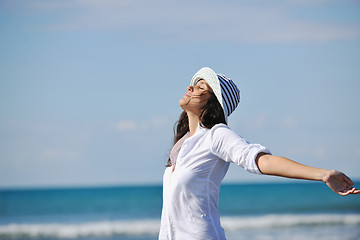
[{"x": 230, "y": 94}]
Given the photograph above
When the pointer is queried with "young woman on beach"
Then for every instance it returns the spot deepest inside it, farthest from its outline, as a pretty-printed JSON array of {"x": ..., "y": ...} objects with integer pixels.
[{"x": 204, "y": 146}]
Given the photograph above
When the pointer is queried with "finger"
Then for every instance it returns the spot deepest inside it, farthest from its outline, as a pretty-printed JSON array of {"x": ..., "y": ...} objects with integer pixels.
[
  {"x": 344, "y": 190},
  {"x": 348, "y": 180},
  {"x": 356, "y": 191},
  {"x": 351, "y": 191},
  {"x": 343, "y": 193}
]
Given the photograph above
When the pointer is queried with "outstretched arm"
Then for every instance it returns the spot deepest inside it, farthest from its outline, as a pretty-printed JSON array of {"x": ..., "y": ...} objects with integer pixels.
[{"x": 280, "y": 166}]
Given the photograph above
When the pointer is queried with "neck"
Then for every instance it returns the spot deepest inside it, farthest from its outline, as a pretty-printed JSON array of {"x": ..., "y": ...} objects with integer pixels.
[{"x": 193, "y": 122}]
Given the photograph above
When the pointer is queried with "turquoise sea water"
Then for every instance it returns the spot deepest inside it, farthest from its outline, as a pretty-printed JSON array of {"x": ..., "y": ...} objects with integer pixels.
[{"x": 295, "y": 210}]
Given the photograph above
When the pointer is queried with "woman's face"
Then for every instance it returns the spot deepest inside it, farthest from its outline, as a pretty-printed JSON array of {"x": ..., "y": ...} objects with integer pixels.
[{"x": 196, "y": 97}]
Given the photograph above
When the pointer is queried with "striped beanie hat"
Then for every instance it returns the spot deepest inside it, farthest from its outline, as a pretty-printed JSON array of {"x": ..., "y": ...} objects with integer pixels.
[{"x": 224, "y": 88}]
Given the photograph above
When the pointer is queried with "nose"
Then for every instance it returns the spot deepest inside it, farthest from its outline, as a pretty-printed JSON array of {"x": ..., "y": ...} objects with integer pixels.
[{"x": 190, "y": 88}]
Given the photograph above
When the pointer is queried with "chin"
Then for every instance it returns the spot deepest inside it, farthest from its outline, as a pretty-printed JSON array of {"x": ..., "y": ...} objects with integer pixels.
[
  {"x": 183, "y": 102},
  {"x": 181, "y": 105}
]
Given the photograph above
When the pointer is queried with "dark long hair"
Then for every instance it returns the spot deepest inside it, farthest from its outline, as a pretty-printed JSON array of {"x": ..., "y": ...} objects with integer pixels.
[{"x": 211, "y": 114}]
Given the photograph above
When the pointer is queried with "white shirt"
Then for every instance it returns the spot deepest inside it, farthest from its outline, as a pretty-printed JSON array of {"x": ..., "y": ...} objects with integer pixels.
[{"x": 191, "y": 190}]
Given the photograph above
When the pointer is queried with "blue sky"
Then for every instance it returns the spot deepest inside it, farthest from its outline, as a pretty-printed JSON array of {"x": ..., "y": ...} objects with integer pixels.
[{"x": 89, "y": 89}]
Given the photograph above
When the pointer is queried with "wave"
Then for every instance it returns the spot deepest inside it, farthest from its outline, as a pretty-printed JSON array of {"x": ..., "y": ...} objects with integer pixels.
[
  {"x": 151, "y": 226},
  {"x": 289, "y": 221},
  {"x": 61, "y": 230}
]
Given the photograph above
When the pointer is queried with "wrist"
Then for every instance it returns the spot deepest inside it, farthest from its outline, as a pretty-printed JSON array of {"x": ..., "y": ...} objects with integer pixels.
[{"x": 326, "y": 174}]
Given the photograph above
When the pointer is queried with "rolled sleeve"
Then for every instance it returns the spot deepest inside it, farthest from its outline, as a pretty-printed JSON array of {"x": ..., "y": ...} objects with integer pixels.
[{"x": 230, "y": 147}]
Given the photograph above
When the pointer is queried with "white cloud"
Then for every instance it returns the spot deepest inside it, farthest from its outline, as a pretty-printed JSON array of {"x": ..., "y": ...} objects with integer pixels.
[
  {"x": 160, "y": 121},
  {"x": 53, "y": 154},
  {"x": 131, "y": 125},
  {"x": 289, "y": 122},
  {"x": 357, "y": 153},
  {"x": 306, "y": 2},
  {"x": 320, "y": 152},
  {"x": 256, "y": 122},
  {"x": 196, "y": 21},
  {"x": 126, "y": 125},
  {"x": 260, "y": 120}
]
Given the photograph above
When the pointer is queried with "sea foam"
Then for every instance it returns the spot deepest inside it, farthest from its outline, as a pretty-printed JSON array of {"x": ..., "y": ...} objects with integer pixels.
[
  {"x": 288, "y": 221},
  {"x": 151, "y": 226},
  {"x": 103, "y": 228}
]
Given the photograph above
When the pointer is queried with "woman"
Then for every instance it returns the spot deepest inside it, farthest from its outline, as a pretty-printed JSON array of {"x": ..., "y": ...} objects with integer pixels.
[{"x": 204, "y": 146}]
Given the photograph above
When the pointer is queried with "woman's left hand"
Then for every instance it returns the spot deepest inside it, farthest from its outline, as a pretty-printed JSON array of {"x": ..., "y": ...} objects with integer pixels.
[{"x": 340, "y": 183}]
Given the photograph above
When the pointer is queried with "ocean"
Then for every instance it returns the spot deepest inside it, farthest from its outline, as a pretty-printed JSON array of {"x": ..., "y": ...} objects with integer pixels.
[{"x": 296, "y": 210}]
